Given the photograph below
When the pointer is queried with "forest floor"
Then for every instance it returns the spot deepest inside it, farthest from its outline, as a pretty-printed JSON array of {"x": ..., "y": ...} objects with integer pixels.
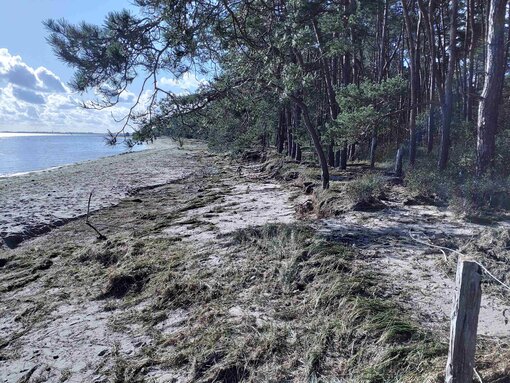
[{"x": 246, "y": 271}]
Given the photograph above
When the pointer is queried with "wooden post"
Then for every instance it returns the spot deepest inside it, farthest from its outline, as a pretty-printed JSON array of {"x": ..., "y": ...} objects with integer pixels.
[
  {"x": 331, "y": 155},
  {"x": 464, "y": 323},
  {"x": 294, "y": 150},
  {"x": 343, "y": 158},
  {"x": 337, "y": 158},
  {"x": 291, "y": 145},
  {"x": 298, "y": 153},
  {"x": 352, "y": 154},
  {"x": 373, "y": 147},
  {"x": 398, "y": 162}
]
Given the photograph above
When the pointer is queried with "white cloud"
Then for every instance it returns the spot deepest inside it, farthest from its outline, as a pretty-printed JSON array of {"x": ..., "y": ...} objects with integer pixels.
[
  {"x": 186, "y": 83},
  {"x": 37, "y": 99}
]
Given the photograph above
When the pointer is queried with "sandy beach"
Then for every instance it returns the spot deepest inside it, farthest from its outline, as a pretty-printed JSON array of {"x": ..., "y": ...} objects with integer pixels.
[
  {"x": 33, "y": 203},
  {"x": 216, "y": 269}
]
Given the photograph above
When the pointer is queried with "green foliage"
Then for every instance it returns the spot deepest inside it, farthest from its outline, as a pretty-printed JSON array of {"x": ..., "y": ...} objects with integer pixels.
[{"x": 365, "y": 106}]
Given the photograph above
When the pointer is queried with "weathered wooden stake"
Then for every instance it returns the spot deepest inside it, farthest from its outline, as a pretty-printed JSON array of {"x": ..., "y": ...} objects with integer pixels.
[
  {"x": 464, "y": 323},
  {"x": 343, "y": 158},
  {"x": 352, "y": 152},
  {"x": 398, "y": 162},
  {"x": 294, "y": 150},
  {"x": 331, "y": 155},
  {"x": 373, "y": 147},
  {"x": 298, "y": 153},
  {"x": 291, "y": 145},
  {"x": 337, "y": 158}
]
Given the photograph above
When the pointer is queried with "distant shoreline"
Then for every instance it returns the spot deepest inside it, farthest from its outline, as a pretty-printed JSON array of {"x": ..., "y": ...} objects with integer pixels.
[
  {"x": 33, "y": 203},
  {"x": 16, "y": 161},
  {"x": 2, "y": 176}
]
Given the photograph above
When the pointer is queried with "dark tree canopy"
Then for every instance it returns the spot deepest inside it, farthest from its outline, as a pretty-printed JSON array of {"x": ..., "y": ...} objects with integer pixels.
[{"x": 380, "y": 74}]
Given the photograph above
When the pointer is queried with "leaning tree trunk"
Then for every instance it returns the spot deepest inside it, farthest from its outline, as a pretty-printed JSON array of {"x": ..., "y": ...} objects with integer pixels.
[
  {"x": 316, "y": 141},
  {"x": 494, "y": 75},
  {"x": 447, "y": 105}
]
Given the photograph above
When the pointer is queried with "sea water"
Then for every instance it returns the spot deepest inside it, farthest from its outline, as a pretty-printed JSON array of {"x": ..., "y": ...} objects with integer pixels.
[{"x": 26, "y": 152}]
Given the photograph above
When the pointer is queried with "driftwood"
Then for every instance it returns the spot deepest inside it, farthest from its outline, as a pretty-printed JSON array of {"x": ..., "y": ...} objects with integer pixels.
[{"x": 88, "y": 223}]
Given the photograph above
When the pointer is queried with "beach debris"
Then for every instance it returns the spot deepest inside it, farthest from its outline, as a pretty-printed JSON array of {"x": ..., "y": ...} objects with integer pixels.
[{"x": 88, "y": 223}]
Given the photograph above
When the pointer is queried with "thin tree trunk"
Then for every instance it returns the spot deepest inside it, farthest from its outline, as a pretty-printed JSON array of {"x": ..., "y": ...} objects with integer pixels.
[
  {"x": 312, "y": 131},
  {"x": 447, "y": 105},
  {"x": 414, "y": 80},
  {"x": 471, "y": 60}
]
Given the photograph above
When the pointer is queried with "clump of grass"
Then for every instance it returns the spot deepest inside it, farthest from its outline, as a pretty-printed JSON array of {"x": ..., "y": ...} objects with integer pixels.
[
  {"x": 426, "y": 181},
  {"x": 123, "y": 282},
  {"x": 303, "y": 300},
  {"x": 183, "y": 292},
  {"x": 365, "y": 192},
  {"x": 106, "y": 253},
  {"x": 467, "y": 194},
  {"x": 476, "y": 196}
]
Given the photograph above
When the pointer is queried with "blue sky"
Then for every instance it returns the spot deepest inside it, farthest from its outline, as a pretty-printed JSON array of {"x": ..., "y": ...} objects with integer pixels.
[{"x": 33, "y": 91}]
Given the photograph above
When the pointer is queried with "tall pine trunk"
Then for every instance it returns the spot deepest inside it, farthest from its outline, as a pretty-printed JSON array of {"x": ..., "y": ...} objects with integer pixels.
[{"x": 494, "y": 75}]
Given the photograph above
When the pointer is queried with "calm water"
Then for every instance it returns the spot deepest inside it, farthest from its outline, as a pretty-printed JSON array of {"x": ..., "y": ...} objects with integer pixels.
[{"x": 25, "y": 152}]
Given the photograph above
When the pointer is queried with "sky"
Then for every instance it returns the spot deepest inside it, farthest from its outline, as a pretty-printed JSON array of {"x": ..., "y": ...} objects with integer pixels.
[{"x": 34, "y": 95}]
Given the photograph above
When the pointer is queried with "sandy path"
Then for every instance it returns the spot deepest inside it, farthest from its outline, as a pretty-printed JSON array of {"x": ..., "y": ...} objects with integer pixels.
[
  {"x": 34, "y": 202},
  {"x": 54, "y": 328},
  {"x": 424, "y": 276}
]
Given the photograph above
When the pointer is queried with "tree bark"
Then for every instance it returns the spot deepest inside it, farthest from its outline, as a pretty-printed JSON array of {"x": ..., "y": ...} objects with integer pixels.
[{"x": 494, "y": 75}]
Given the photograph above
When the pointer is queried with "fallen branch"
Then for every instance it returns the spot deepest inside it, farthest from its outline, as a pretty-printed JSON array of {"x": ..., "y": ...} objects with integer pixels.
[{"x": 87, "y": 222}]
